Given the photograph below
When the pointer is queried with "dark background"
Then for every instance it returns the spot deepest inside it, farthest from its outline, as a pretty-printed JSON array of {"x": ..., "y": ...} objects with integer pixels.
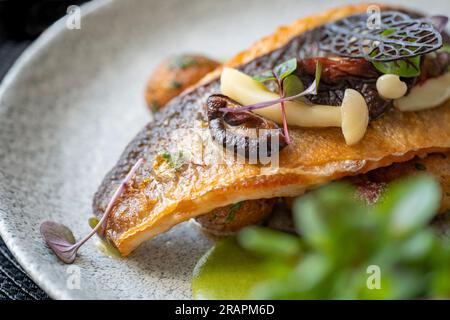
[{"x": 20, "y": 23}]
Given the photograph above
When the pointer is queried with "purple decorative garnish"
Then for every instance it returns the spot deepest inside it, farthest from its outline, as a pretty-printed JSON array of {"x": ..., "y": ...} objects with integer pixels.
[
  {"x": 354, "y": 37},
  {"x": 439, "y": 22},
  {"x": 60, "y": 238}
]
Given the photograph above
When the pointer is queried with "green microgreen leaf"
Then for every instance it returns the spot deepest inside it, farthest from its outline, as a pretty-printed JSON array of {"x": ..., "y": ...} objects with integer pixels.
[
  {"x": 279, "y": 73},
  {"x": 292, "y": 86},
  {"x": 406, "y": 68},
  {"x": 284, "y": 69},
  {"x": 318, "y": 73},
  {"x": 265, "y": 76}
]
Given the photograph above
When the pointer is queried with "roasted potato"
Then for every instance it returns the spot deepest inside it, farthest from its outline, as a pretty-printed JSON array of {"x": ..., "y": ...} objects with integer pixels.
[
  {"x": 174, "y": 75},
  {"x": 437, "y": 165},
  {"x": 229, "y": 219}
]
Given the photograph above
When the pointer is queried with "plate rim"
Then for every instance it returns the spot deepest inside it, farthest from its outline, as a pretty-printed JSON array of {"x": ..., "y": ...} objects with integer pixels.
[{"x": 44, "y": 40}]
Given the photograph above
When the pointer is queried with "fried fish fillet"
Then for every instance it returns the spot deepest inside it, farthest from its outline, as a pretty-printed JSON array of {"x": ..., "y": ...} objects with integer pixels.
[
  {"x": 162, "y": 195},
  {"x": 370, "y": 188}
]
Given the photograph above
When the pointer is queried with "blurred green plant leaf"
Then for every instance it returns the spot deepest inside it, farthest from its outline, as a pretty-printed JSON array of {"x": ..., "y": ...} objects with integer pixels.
[
  {"x": 410, "y": 204},
  {"x": 349, "y": 250},
  {"x": 269, "y": 242}
]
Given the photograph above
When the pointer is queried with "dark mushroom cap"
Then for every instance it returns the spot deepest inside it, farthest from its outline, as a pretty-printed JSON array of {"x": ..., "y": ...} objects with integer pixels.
[{"x": 244, "y": 133}]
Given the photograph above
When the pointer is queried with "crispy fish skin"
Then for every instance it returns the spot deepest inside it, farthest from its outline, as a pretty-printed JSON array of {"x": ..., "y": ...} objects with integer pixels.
[{"x": 159, "y": 198}]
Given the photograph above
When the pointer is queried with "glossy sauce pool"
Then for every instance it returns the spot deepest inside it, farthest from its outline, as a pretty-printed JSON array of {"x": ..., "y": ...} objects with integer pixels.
[{"x": 226, "y": 272}]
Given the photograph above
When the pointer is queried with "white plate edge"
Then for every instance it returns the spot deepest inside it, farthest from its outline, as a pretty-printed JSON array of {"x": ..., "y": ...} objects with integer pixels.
[{"x": 26, "y": 57}]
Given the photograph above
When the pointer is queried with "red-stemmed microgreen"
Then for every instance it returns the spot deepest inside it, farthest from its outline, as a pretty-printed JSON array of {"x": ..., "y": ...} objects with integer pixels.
[
  {"x": 284, "y": 78},
  {"x": 281, "y": 72},
  {"x": 284, "y": 69},
  {"x": 61, "y": 239},
  {"x": 310, "y": 90}
]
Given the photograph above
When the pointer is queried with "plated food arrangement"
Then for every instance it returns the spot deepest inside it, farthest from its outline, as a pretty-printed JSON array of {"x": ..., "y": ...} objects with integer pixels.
[{"x": 342, "y": 95}]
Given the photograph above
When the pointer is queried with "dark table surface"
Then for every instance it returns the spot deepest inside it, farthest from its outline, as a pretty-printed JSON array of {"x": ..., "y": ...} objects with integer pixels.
[
  {"x": 20, "y": 23},
  {"x": 14, "y": 282}
]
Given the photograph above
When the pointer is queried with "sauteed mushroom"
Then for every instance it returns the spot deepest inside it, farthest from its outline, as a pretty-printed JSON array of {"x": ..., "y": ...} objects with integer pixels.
[{"x": 244, "y": 133}]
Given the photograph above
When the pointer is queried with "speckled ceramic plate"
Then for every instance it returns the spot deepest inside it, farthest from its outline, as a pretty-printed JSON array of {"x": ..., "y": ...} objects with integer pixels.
[{"x": 70, "y": 105}]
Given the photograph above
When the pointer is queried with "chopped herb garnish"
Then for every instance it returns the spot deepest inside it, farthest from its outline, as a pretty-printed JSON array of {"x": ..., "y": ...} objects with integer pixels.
[
  {"x": 420, "y": 166},
  {"x": 230, "y": 217},
  {"x": 175, "y": 85},
  {"x": 166, "y": 155},
  {"x": 154, "y": 106},
  {"x": 182, "y": 62},
  {"x": 93, "y": 221},
  {"x": 232, "y": 214},
  {"x": 174, "y": 161}
]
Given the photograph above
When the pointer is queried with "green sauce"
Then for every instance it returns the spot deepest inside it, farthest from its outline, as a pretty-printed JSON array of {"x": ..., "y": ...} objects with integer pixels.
[
  {"x": 104, "y": 246},
  {"x": 226, "y": 271},
  {"x": 107, "y": 249}
]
